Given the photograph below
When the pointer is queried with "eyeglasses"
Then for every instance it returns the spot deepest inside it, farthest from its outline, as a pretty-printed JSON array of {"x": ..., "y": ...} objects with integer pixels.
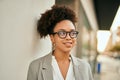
[{"x": 63, "y": 34}]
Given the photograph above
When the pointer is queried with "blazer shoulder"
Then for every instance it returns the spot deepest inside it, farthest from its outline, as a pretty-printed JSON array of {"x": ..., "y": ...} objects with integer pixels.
[
  {"x": 39, "y": 60},
  {"x": 80, "y": 62},
  {"x": 36, "y": 67},
  {"x": 35, "y": 64},
  {"x": 84, "y": 68}
]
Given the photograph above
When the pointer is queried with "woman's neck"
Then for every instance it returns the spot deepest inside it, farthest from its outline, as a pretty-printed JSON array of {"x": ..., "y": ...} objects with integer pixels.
[{"x": 61, "y": 56}]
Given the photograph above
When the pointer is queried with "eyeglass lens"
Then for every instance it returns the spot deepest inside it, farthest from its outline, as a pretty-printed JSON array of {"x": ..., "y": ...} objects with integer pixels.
[{"x": 63, "y": 34}]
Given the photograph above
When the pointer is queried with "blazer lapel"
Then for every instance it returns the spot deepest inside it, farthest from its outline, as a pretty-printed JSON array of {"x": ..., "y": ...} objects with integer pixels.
[
  {"x": 77, "y": 69},
  {"x": 47, "y": 68}
]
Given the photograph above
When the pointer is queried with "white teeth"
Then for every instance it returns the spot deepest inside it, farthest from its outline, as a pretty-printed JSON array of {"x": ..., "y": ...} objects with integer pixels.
[{"x": 68, "y": 43}]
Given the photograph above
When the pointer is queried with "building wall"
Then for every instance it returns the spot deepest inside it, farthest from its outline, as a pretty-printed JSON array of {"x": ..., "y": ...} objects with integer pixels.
[{"x": 19, "y": 41}]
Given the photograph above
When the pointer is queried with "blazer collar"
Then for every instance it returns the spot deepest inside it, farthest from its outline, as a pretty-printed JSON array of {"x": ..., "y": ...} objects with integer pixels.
[{"x": 47, "y": 68}]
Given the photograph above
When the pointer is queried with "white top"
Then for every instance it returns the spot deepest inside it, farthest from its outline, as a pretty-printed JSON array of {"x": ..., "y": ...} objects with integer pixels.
[{"x": 57, "y": 74}]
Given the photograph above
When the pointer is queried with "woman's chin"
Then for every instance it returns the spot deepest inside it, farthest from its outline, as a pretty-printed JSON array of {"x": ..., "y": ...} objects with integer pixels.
[{"x": 67, "y": 50}]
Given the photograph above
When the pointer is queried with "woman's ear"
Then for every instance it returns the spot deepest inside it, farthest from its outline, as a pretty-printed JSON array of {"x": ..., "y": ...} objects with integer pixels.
[
  {"x": 53, "y": 42},
  {"x": 52, "y": 38}
]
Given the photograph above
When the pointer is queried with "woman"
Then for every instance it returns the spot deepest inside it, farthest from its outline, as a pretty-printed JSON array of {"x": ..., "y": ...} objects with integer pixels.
[{"x": 59, "y": 24}]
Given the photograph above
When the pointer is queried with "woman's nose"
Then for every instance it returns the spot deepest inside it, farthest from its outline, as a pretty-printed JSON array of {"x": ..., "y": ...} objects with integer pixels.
[{"x": 68, "y": 36}]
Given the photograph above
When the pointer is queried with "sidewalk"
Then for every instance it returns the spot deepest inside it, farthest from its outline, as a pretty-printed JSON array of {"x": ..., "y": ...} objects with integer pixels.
[{"x": 110, "y": 68}]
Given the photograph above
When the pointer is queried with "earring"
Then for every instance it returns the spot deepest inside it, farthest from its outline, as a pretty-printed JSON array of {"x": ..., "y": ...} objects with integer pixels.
[{"x": 53, "y": 46}]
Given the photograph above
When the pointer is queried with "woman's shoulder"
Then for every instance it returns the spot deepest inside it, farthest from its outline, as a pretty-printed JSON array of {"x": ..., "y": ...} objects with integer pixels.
[
  {"x": 79, "y": 61},
  {"x": 40, "y": 60}
]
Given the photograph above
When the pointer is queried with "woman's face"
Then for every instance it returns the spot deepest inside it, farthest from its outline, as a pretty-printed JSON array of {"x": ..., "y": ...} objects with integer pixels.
[{"x": 67, "y": 43}]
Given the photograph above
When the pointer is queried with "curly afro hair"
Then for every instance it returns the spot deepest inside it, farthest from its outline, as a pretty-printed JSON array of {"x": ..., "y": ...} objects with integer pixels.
[{"x": 51, "y": 17}]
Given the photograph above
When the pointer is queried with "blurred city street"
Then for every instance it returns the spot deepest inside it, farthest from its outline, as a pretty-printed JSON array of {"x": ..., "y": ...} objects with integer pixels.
[{"x": 110, "y": 68}]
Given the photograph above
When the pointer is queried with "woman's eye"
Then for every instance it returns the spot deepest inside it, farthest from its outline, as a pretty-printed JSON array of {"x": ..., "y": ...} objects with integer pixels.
[
  {"x": 62, "y": 33},
  {"x": 72, "y": 33}
]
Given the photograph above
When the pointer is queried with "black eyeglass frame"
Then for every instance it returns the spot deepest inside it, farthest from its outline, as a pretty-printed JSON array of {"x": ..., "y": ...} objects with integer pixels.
[{"x": 66, "y": 32}]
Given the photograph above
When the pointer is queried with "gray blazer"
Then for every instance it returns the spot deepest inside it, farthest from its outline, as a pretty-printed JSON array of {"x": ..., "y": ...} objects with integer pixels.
[{"x": 41, "y": 69}]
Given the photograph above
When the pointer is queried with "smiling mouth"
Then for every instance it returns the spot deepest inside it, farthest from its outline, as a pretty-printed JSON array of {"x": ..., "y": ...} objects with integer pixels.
[{"x": 68, "y": 44}]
